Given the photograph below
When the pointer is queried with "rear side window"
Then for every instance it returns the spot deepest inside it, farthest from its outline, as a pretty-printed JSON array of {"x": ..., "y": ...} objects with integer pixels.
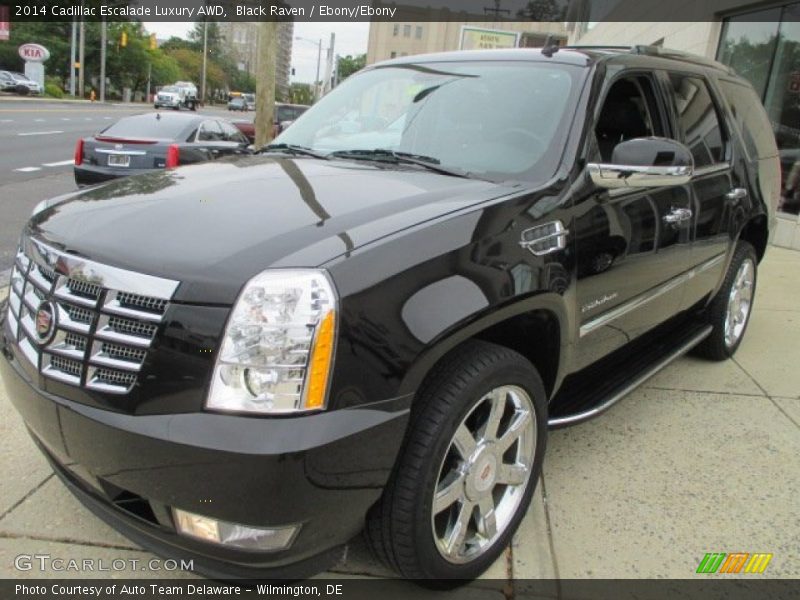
[
  {"x": 698, "y": 119},
  {"x": 757, "y": 133},
  {"x": 232, "y": 133},
  {"x": 210, "y": 131},
  {"x": 149, "y": 126}
]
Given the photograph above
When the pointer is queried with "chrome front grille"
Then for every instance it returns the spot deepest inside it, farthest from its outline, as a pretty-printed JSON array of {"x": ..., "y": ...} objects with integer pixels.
[{"x": 105, "y": 318}]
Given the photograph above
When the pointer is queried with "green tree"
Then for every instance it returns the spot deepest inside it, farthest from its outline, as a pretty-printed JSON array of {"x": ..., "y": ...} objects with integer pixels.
[
  {"x": 301, "y": 93},
  {"x": 176, "y": 43},
  {"x": 215, "y": 42},
  {"x": 53, "y": 36},
  {"x": 544, "y": 10},
  {"x": 347, "y": 65}
]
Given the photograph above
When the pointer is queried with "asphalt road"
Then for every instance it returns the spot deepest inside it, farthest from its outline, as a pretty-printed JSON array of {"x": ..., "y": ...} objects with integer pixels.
[{"x": 37, "y": 143}]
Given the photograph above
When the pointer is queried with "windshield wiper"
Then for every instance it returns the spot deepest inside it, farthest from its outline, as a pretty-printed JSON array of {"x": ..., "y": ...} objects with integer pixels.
[
  {"x": 292, "y": 149},
  {"x": 384, "y": 155}
]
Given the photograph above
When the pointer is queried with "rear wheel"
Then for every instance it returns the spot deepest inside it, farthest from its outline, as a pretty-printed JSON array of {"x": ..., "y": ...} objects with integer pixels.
[
  {"x": 468, "y": 469},
  {"x": 729, "y": 311}
]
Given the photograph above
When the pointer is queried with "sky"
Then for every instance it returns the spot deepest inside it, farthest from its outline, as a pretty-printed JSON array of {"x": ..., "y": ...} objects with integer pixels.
[{"x": 351, "y": 38}]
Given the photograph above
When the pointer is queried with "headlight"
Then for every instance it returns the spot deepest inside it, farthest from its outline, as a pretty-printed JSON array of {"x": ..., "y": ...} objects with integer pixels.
[{"x": 277, "y": 350}]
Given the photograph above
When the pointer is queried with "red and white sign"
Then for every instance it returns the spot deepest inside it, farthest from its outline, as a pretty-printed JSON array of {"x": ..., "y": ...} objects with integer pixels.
[
  {"x": 5, "y": 24},
  {"x": 34, "y": 53}
]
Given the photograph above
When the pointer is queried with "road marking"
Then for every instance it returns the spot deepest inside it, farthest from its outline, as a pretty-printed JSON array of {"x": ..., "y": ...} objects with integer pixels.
[
  {"x": 87, "y": 118},
  {"x": 28, "y": 169},
  {"x": 39, "y": 120},
  {"x": 107, "y": 118},
  {"x": 40, "y": 133},
  {"x": 6, "y": 120},
  {"x": 60, "y": 163},
  {"x": 65, "y": 119}
]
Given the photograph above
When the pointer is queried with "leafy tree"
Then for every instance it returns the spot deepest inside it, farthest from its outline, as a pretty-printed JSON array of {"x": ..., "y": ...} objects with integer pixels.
[
  {"x": 53, "y": 36},
  {"x": 215, "y": 41},
  {"x": 176, "y": 43},
  {"x": 242, "y": 81},
  {"x": 544, "y": 10},
  {"x": 301, "y": 93},
  {"x": 347, "y": 65}
]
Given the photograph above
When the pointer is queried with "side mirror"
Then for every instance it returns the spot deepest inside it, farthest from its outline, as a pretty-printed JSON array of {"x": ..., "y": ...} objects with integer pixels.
[{"x": 644, "y": 162}]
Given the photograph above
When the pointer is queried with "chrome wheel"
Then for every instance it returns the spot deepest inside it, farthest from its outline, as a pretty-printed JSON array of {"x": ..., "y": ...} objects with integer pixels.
[
  {"x": 484, "y": 474},
  {"x": 740, "y": 301}
]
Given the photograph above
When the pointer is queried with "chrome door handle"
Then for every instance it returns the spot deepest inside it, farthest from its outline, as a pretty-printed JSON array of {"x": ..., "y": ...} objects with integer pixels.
[
  {"x": 677, "y": 215},
  {"x": 736, "y": 194}
]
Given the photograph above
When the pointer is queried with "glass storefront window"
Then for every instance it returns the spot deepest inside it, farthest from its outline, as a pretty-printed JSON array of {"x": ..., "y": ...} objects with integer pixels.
[{"x": 764, "y": 47}]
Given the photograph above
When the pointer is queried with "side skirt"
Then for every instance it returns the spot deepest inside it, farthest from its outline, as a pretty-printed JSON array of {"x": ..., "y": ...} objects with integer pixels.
[{"x": 600, "y": 386}]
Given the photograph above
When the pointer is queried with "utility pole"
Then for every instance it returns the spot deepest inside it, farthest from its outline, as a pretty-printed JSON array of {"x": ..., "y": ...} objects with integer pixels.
[
  {"x": 205, "y": 63},
  {"x": 265, "y": 81},
  {"x": 329, "y": 65},
  {"x": 103, "y": 44},
  {"x": 72, "y": 52},
  {"x": 81, "y": 53},
  {"x": 317, "y": 82}
]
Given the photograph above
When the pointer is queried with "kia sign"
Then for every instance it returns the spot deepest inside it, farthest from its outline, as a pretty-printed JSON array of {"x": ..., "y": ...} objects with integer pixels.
[{"x": 33, "y": 53}]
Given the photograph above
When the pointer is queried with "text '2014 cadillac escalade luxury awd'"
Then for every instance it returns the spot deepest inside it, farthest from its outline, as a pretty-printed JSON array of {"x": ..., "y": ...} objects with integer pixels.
[{"x": 371, "y": 323}]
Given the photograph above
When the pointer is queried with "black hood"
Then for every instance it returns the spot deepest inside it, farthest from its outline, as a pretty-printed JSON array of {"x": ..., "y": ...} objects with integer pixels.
[{"x": 215, "y": 225}]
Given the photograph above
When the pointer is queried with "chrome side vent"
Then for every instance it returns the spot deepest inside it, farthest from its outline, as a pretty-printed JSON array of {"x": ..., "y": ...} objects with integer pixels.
[{"x": 545, "y": 239}]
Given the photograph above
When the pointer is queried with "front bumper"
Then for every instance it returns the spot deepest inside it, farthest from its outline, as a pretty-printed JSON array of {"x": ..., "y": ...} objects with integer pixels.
[{"x": 322, "y": 472}]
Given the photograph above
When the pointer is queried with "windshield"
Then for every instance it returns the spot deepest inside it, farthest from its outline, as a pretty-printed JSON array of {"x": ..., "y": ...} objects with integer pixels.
[
  {"x": 170, "y": 88},
  {"x": 495, "y": 120}
]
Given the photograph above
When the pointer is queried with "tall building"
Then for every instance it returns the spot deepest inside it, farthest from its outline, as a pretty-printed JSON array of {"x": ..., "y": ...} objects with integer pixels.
[
  {"x": 390, "y": 39},
  {"x": 242, "y": 39},
  {"x": 760, "y": 44}
]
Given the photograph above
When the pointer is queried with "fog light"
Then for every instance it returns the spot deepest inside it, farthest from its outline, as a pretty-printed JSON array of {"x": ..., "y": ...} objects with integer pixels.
[{"x": 234, "y": 534}]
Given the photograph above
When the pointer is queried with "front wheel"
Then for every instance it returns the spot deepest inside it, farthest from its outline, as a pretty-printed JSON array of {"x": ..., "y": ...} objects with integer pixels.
[
  {"x": 729, "y": 311},
  {"x": 468, "y": 469}
]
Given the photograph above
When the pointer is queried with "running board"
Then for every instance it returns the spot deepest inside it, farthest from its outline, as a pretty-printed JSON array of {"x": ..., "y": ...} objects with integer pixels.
[{"x": 584, "y": 403}]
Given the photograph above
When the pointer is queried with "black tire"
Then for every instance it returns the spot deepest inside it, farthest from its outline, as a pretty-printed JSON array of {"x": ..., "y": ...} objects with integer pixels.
[
  {"x": 715, "y": 346},
  {"x": 400, "y": 527}
]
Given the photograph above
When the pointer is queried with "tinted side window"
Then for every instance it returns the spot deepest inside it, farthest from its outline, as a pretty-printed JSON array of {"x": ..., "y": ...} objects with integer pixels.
[
  {"x": 232, "y": 133},
  {"x": 757, "y": 134},
  {"x": 210, "y": 131},
  {"x": 697, "y": 119}
]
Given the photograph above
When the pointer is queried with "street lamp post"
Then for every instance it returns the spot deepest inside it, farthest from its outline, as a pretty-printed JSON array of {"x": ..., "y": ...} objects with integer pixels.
[
  {"x": 205, "y": 63},
  {"x": 72, "y": 57},
  {"x": 319, "y": 60},
  {"x": 103, "y": 42}
]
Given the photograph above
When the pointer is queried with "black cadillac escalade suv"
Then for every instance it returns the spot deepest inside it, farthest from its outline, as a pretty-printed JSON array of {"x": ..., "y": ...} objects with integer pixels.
[{"x": 372, "y": 322}]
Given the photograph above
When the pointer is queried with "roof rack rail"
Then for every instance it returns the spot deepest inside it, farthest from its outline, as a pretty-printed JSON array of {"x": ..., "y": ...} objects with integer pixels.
[
  {"x": 680, "y": 55},
  {"x": 660, "y": 51},
  {"x": 596, "y": 47}
]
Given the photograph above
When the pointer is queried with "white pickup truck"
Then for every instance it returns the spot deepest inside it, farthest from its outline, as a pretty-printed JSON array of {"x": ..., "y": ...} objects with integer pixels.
[{"x": 182, "y": 94}]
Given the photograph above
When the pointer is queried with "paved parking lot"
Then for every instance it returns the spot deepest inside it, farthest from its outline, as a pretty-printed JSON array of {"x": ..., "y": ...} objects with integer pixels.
[{"x": 704, "y": 458}]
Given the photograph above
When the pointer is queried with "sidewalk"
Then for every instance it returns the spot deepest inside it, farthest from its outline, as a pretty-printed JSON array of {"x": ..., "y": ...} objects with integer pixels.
[{"x": 704, "y": 458}]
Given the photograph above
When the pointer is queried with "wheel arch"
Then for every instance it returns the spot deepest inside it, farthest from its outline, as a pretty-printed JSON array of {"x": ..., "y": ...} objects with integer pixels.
[
  {"x": 756, "y": 232},
  {"x": 537, "y": 329}
]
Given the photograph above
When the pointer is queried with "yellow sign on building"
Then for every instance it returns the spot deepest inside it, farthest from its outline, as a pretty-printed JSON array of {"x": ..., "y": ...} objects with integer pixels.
[{"x": 474, "y": 38}]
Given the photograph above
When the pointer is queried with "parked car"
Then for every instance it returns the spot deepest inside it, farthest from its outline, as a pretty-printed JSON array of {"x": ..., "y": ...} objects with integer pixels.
[
  {"x": 142, "y": 143},
  {"x": 250, "y": 101},
  {"x": 247, "y": 127},
  {"x": 286, "y": 114},
  {"x": 237, "y": 103},
  {"x": 246, "y": 362},
  {"x": 12, "y": 81}
]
